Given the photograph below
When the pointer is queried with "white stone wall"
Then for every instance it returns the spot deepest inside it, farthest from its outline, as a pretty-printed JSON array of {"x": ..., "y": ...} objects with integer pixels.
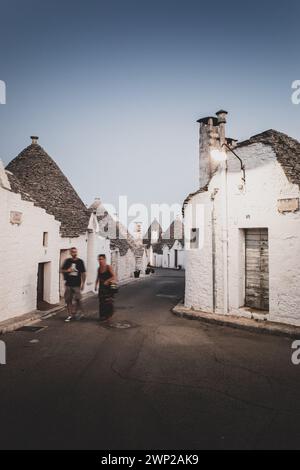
[
  {"x": 198, "y": 261},
  {"x": 181, "y": 258},
  {"x": 144, "y": 261},
  {"x": 124, "y": 265},
  {"x": 157, "y": 260},
  {"x": 81, "y": 243},
  {"x": 255, "y": 206},
  {"x": 168, "y": 256},
  {"x": 21, "y": 249}
]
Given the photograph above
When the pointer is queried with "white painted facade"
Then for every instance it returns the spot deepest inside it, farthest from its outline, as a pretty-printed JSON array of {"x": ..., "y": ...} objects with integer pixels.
[
  {"x": 166, "y": 249},
  {"x": 168, "y": 258},
  {"x": 21, "y": 250},
  {"x": 124, "y": 266},
  {"x": 215, "y": 271}
]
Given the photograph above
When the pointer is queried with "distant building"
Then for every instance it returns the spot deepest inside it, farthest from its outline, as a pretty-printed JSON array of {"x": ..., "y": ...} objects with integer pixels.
[
  {"x": 165, "y": 249},
  {"x": 123, "y": 250},
  {"x": 243, "y": 257}
]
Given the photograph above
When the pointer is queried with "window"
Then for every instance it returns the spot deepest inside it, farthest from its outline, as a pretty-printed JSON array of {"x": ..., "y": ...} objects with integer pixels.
[{"x": 45, "y": 239}]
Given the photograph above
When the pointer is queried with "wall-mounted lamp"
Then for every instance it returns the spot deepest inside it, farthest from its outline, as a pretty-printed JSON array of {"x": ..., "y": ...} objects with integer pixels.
[{"x": 220, "y": 156}]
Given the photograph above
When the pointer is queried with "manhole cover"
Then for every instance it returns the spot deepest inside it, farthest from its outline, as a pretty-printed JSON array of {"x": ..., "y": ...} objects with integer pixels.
[
  {"x": 120, "y": 325},
  {"x": 31, "y": 329}
]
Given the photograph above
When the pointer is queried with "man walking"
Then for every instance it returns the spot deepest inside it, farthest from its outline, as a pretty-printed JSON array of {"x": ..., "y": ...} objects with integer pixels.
[{"x": 74, "y": 273}]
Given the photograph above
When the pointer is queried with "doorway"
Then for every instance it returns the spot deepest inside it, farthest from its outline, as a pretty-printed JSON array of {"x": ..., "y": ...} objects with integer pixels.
[
  {"x": 40, "y": 285},
  {"x": 257, "y": 268},
  {"x": 176, "y": 258}
]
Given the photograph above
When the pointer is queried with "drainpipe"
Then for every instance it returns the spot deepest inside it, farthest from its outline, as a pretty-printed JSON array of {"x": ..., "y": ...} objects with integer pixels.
[
  {"x": 222, "y": 121},
  {"x": 213, "y": 249},
  {"x": 225, "y": 238}
]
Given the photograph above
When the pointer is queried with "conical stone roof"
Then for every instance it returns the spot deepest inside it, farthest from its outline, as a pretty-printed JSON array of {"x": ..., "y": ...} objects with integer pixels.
[{"x": 40, "y": 177}]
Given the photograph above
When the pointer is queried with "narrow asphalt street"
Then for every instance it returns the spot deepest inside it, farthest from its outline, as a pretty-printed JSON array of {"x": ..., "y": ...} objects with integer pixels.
[{"x": 163, "y": 383}]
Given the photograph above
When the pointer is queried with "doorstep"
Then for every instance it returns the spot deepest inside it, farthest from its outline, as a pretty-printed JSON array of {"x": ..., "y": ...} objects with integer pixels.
[{"x": 254, "y": 325}]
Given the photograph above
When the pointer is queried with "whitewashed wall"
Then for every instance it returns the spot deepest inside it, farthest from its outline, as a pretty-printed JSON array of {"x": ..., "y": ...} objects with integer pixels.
[
  {"x": 168, "y": 256},
  {"x": 254, "y": 207},
  {"x": 145, "y": 261},
  {"x": 157, "y": 260},
  {"x": 82, "y": 244},
  {"x": 21, "y": 249},
  {"x": 124, "y": 266}
]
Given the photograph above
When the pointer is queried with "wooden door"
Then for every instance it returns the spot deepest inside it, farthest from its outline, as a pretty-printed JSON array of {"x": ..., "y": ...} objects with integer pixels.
[{"x": 257, "y": 268}]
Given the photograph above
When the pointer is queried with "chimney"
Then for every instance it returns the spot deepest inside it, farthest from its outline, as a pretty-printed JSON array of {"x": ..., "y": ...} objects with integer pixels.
[
  {"x": 34, "y": 139},
  {"x": 211, "y": 136},
  {"x": 221, "y": 115}
]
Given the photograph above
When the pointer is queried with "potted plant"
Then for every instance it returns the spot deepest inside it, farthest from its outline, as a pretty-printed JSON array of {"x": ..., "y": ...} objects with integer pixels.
[{"x": 137, "y": 273}]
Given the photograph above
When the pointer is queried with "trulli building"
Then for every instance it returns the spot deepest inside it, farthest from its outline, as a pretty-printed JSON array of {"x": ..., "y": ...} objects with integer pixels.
[
  {"x": 243, "y": 226},
  {"x": 165, "y": 249}
]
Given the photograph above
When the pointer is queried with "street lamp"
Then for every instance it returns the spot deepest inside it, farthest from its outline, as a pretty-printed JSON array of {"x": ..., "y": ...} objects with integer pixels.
[{"x": 220, "y": 156}]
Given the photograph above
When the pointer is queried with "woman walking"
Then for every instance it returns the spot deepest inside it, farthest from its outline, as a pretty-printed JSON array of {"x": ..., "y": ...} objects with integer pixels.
[{"x": 105, "y": 278}]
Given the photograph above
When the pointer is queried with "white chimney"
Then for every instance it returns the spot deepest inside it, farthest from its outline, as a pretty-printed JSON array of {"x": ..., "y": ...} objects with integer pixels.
[{"x": 211, "y": 136}]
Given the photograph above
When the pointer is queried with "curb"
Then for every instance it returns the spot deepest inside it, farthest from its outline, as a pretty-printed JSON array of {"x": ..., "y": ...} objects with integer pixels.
[
  {"x": 12, "y": 324},
  {"x": 254, "y": 326}
]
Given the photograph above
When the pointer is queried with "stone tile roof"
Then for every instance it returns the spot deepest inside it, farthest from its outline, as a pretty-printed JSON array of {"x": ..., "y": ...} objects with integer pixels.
[
  {"x": 154, "y": 226},
  {"x": 16, "y": 187},
  {"x": 112, "y": 229},
  {"x": 35, "y": 174},
  {"x": 168, "y": 238},
  {"x": 122, "y": 243},
  {"x": 157, "y": 248},
  {"x": 286, "y": 148},
  {"x": 175, "y": 231}
]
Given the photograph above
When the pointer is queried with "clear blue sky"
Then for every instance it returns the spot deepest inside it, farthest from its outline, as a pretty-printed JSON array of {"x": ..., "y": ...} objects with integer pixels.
[{"x": 114, "y": 88}]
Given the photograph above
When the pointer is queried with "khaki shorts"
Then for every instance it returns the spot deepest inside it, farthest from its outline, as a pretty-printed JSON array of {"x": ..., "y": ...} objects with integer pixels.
[{"x": 72, "y": 293}]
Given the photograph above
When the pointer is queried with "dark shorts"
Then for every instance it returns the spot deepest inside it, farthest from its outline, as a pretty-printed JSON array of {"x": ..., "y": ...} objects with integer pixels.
[{"x": 72, "y": 293}]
